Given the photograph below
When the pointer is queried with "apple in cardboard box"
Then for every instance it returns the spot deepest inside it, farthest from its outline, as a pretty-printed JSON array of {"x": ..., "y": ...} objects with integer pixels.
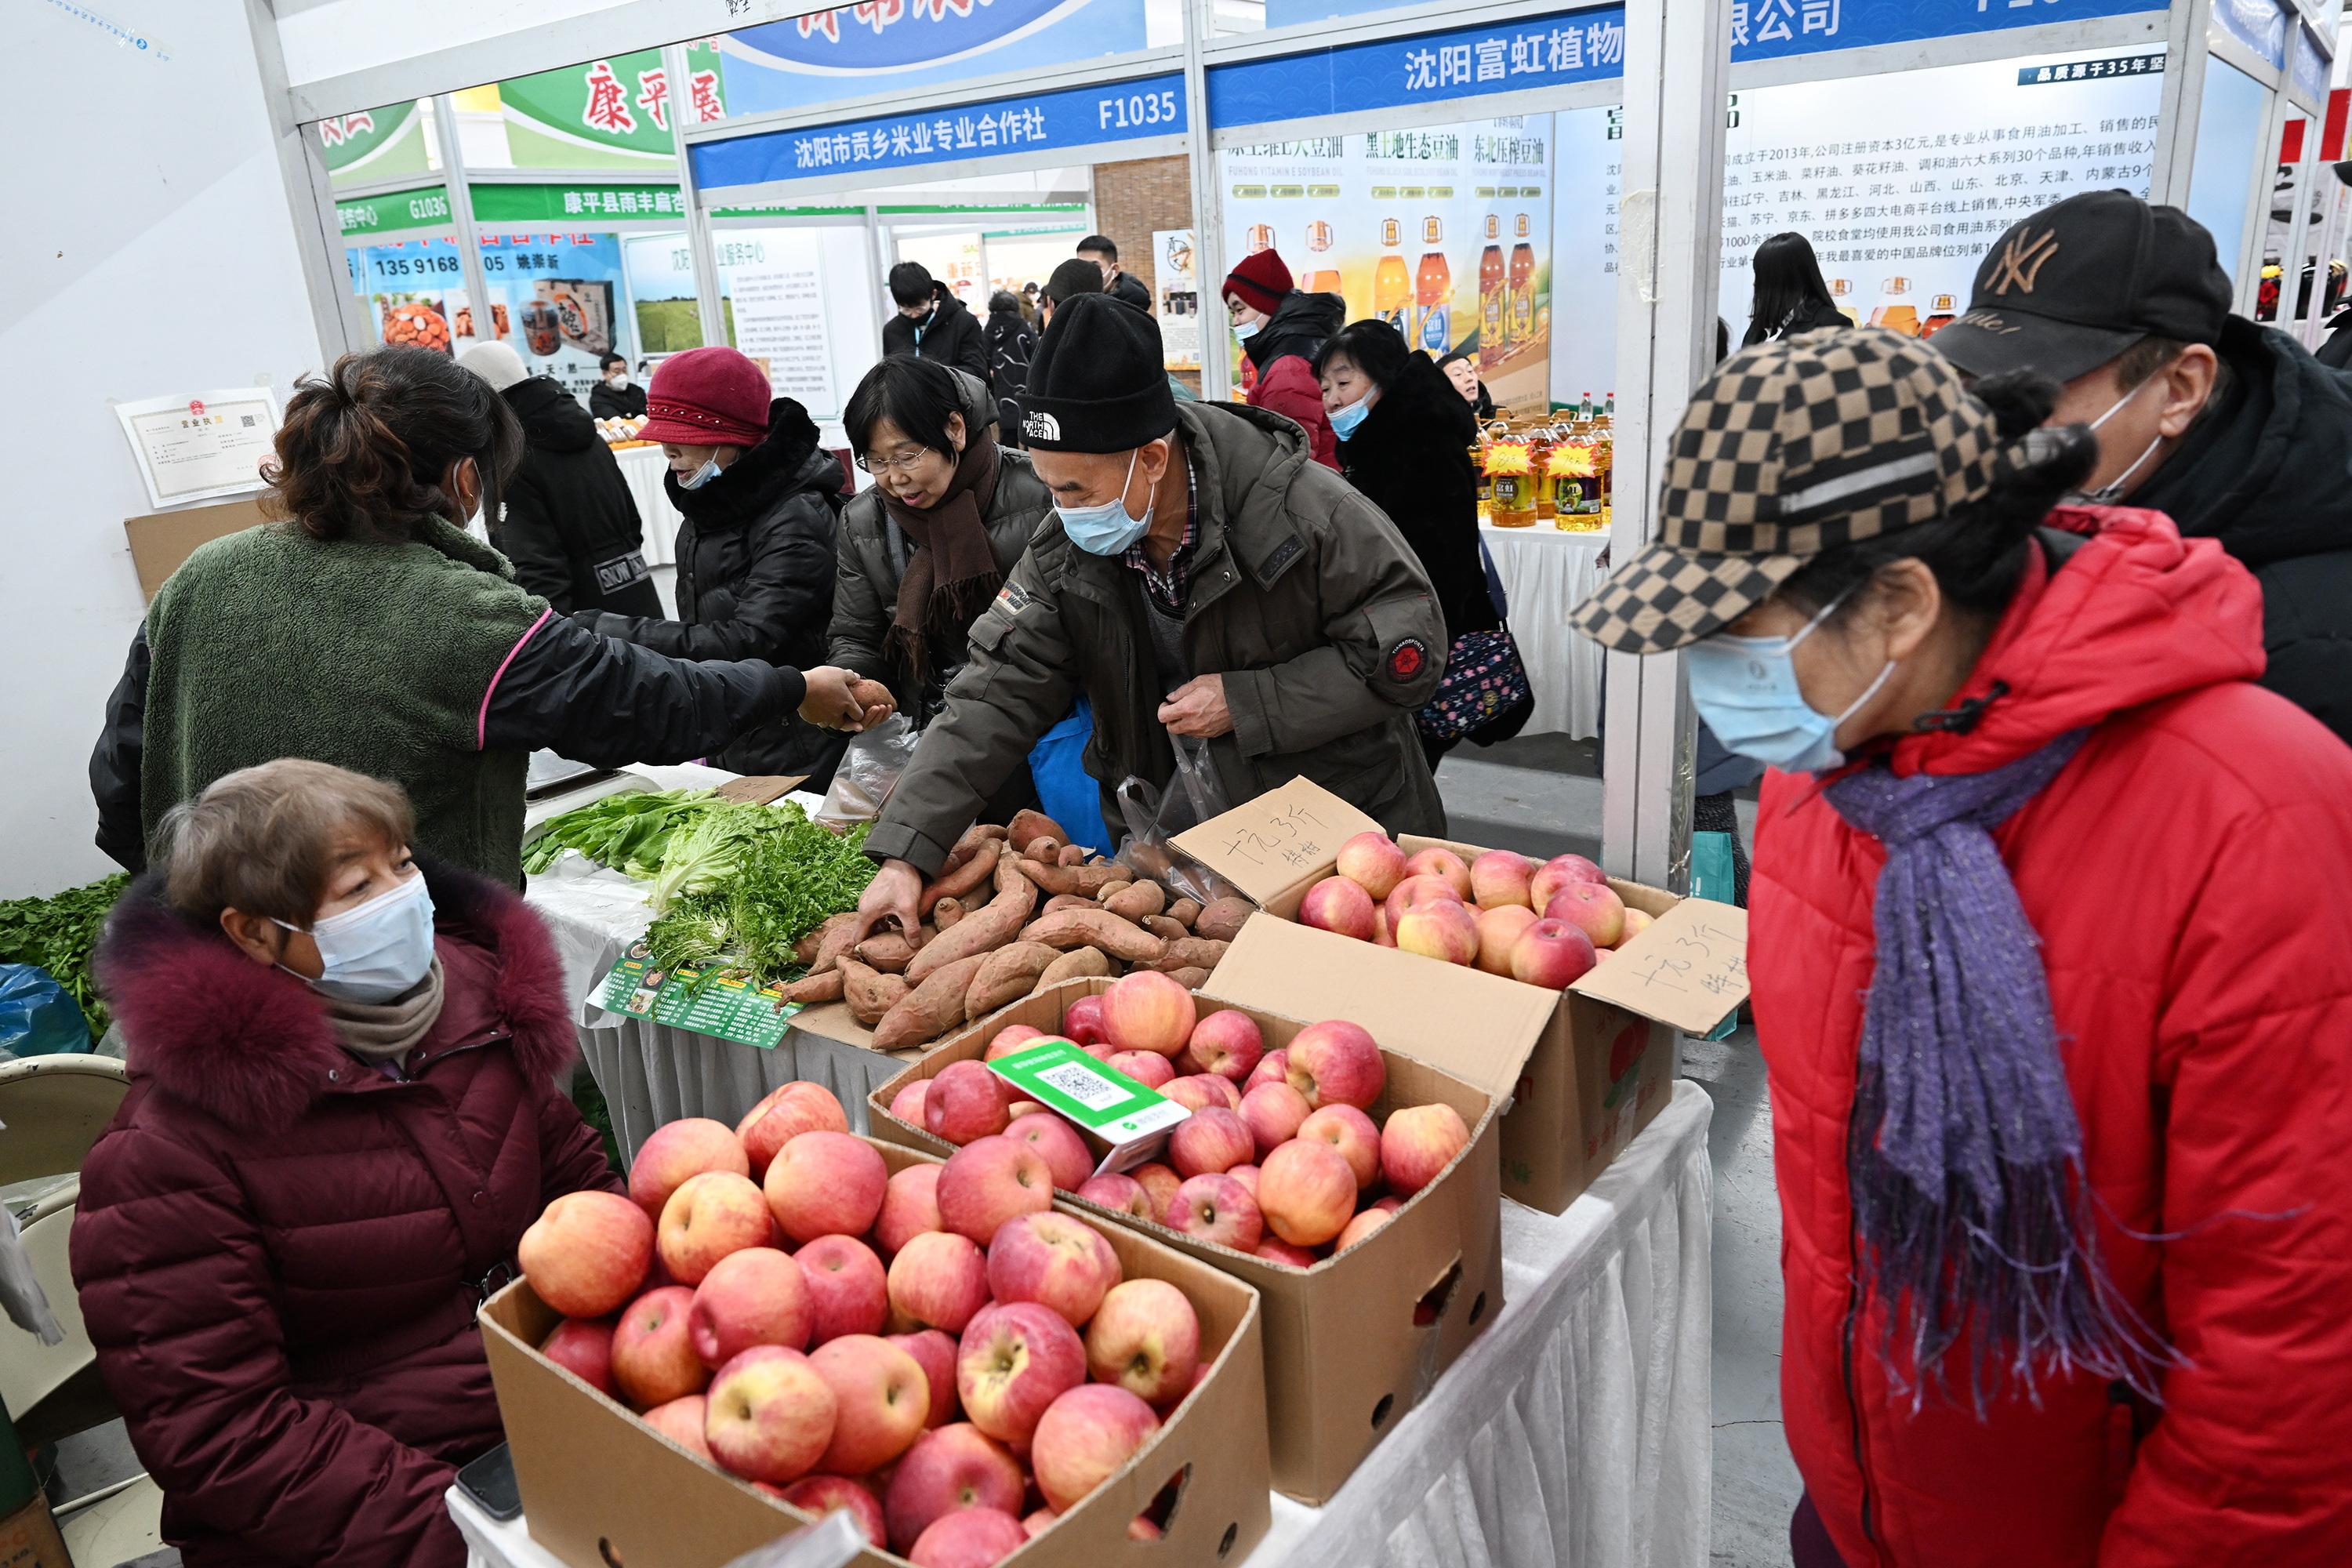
[
  {"x": 826, "y": 1184},
  {"x": 951, "y": 1467},
  {"x": 881, "y": 1397},
  {"x": 1443, "y": 864},
  {"x": 1014, "y": 1358},
  {"x": 1011, "y": 1038},
  {"x": 847, "y": 1291},
  {"x": 677, "y": 1151},
  {"x": 935, "y": 1352},
  {"x": 1500, "y": 879},
  {"x": 1353, "y": 1134},
  {"x": 1082, "y": 1023},
  {"x": 990, "y": 1181},
  {"x": 1337, "y": 1063},
  {"x": 966, "y": 1103},
  {"x": 1552, "y": 955},
  {"x": 909, "y": 1104},
  {"x": 820, "y": 1495},
  {"x": 583, "y": 1347},
  {"x": 769, "y": 1416},
  {"x": 681, "y": 1421},
  {"x": 1228, "y": 1043},
  {"x": 587, "y": 1253},
  {"x": 1159, "y": 1181},
  {"x": 1215, "y": 1208},
  {"x": 938, "y": 1281},
  {"x": 783, "y": 1116},
  {"x": 1149, "y": 1068},
  {"x": 1210, "y": 1141},
  {"x": 707, "y": 1218},
  {"x": 1373, "y": 862},
  {"x": 910, "y": 1205},
  {"x": 1085, "y": 1437},
  {"x": 1307, "y": 1192},
  {"x": 1273, "y": 1113},
  {"x": 1592, "y": 907},
  {"x": 1055, "y": 1260},
  {"x": 1272, "y": 1068},
  {"x": 969, "y": 1538},
  {"x": 1147, "y": 1011},
  {"x": 1119, "y": 1193},
  {"x": 1418, "y": 1142},
  {"x": 1499, "y": 931},
  {"x": 1146, "y": 1338},
  {"x": 1339, "y": 904},
  {"x": 1058, "y": 1143},
  {"x": 1558, "y": 872},
  {"x": 653, "y": 1353},
  {"x": 755, "y": 1296},
  {"x": 1440, "y": 929}
]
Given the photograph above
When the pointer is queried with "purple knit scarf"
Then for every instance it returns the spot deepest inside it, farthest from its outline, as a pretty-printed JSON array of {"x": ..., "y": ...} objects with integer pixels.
[{"x": 1964, "y": 1155}]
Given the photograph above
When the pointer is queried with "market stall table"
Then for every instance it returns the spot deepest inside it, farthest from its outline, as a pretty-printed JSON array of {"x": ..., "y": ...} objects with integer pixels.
[
  {"x": 1546, "y": 574},
  {"x": 1574, "y": 1432},
  {"x": 643, "y": 467}
]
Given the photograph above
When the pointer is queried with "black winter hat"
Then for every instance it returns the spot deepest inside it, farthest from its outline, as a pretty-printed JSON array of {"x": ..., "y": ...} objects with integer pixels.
[{"x": 1097, "y": 382}]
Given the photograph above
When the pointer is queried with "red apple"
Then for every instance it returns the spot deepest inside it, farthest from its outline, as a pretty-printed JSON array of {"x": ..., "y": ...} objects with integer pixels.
[
  {"x": 1445, "y": 931},
  {"x": 1552, "y": 955},
  {"x": 910, "y": 1205},
  {"x": 1339, "y": 905},
  {"x": 1499, "y": 880},
  {"x": 1636, "y": 923},
  {"x": 710, "y": 1215},
  {"x": 1053, "y": 1260},
  {"x": 956, "y": 1467},
  {"x": 1413, "y": 893},
  {"x": 938, "y": 1281},
  {"x": 1086, "y": 1437},
  {"x": 1011, "y": 1038},
  {"x": 1065, "y": 1152},
  {"x": 1337, "y": 1063},
  {"x": 1147, "y": 1011},
  {"x": 1037, "y": 1521},
  {"x": 770, "y": 1416},
  {"x": 784, "y": 1115},
  {"x": 1215, "y": 1208},
  {"x": 967, "y": 1102},
  {"x": 820, "y": 1495},
  {"x": 681, "y": 1421},
  {"x": 881, "y": 1398},
  {"x": 1390, "y": 1203},
  {"x": 653, "y": 1354},
  {"x": 935, "y": 1352},
  {"x": 1247, "y": 1176},
  {"x": 1021, "y": 1108},
  {"x": 587, "y": 1253},
  {"x": 1274, "y": 1249},
  {"x": 1146, "y": 1338},
  {"x": 908, "y": 1104},
  {"x": 1228, "y": 1044},
  {"x": 969, "y": 1538},
  {"x": 1499, "y": 931},
  {"x": 1418, "y": 1142},
  {"x": 1140, "y": 1527},
  {"x": 1159, "y": 1181},
  {"x": 846, "y": 1288},
  {"x": 583, "y": 1347},
  {"x": 826, "y": 1184},
  {"x": 1120, "y": 1193},
  {"x": 1101, "y": 1050},
  {"x": 1210, "y": 1141},
  {"x": 1556, "y": 873},
  {"x": 1382, "y": 935},
  {"x": 1307, "y": 1192},
  {"x": 1592, "y": 907},
  {"x": 990, "y": 1181},
  {"x": 1273, "y": 1112},
  {"x": 1149, "y": 1068},
  {"x": 1082, "y": 1022},
  {"x": 1373, "y": 862},
  {"x": 1443, "y": 864},
  {"x": 1016, "y": 1358},
  {"x": 1198, "y": 1091},
  {"x": 1362, "y": 1225},
  {"x": 1351, "y": 1133},
  {"x": 1272, "y": 1068},
  {"x": 755, "y": 1296},
  {"x": 683, "y": 1148}
]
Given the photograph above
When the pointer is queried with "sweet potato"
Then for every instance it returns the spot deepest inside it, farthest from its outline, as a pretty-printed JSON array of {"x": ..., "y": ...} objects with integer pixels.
[
  {"x": 978, "y": 834},
  {"x": 1190, "y": 979},
  {"x": 966, "y": 879},
  {"x": 1084, "y": 880},
  {"x": 1189, "y": 952},
  {"x": 1042, "y": 850},
  {"x": 870, "y": 995},
  {"x": 983, "y": 931},
  {"x": 1007, "y": 976},
  {"x": 885, "y": 952},
  {"x": 814, "y": 988},
  {"x": 1163, "y": 927},
  {"x": 1222, "y": 921},
  {"x": 1078, "y": 964},
  {"x": 931, "y": 1009},
  {"x": 1185, "y": 911},
  {"x": 1072, "y": 855},
  {"x": 834, "y": 942},
  {"x": 1140, "y": 899},
  {"x": 1123, "y": 940},
  {"x": 1028, "y": 824},
  {"x": 805, "y": 950},
  {"x": 1067, "y": 901},
  {"x": 947, "y": 911},
  {"x": 1112, "y": 891}
]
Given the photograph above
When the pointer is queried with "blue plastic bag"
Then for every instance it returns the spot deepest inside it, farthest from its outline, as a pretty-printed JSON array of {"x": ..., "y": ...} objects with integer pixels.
[
  {"x": 1714, "y": 876},
  {"x": 37, "y": 1018},
  {"x": 1066, "y": 792}
]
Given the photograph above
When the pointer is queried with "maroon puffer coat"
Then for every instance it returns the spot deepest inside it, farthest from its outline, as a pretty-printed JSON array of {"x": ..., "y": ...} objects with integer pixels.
[{"x": 279, "y": 1249}]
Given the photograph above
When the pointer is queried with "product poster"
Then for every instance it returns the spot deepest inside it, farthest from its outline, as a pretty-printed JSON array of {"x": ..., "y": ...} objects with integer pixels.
[
  {"x": 1177, "y": 301},
  {"x": 659, "y": 272},
  {"x": 780, "y": 322},
  {"x": 415, "y": 290},
  {"x": 557, "y": 297},
  {"x": 1443, "y": 232}
]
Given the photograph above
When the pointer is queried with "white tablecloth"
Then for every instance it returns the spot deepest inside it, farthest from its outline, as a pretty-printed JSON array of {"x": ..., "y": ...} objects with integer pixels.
[
  {"x": 642, "y": 466},
  {"x": 1573, "y": 1434},
  {"x": 1546, "y": 574}
]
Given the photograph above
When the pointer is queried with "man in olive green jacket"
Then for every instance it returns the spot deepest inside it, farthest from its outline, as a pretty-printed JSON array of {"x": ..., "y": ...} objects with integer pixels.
[{"x": 1257, "y": 603}]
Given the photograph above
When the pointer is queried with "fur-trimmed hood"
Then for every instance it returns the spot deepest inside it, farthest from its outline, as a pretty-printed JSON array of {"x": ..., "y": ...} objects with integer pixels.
[{"x": 254, "y": 1048}]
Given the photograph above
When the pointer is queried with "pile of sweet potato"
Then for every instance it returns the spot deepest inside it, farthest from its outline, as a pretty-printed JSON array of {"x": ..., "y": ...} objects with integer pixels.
[{"x": 1014, "y": 907}]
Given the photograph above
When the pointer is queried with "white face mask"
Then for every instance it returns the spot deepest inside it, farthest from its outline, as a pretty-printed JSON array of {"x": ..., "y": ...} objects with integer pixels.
[
  {"x": 701, "y": 476},
  {"x": 618, "y": 378},
  {"x": 2112, "y": 491},
  {"x": 377, "y": 951}
]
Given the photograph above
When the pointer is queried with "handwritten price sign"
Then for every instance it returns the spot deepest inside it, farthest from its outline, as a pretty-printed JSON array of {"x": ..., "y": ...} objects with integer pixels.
[
  {"x": 1689, "y": 969},
  {"x": 1282, "y": 836}
]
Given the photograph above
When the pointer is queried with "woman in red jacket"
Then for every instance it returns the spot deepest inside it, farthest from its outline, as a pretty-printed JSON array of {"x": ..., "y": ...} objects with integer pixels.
[
  {"x": 1281, "y": 331},
  {"x": 341, "y": 1116},
  {"x": 2052, "y": 960}
]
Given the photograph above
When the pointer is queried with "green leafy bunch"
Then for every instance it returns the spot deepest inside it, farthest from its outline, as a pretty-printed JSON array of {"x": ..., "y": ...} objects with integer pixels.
[{"x": 59, "y": 934}]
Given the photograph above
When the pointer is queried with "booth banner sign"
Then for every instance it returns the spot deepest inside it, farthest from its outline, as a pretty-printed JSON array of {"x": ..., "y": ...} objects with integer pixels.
[
  {"x": 373, "y": 144},
  {"x": 2311, "y": 69},
  {"x": 1433, "y": 68},
  {"x": 1062, "y": 122},
  {"x": 2260, "y": 25},
  {"x": 895, "y": 46},
  {"x": 390, "y": 212},
  {"x": 638, "y": 203},
  {"x": 620, "y": 111}
]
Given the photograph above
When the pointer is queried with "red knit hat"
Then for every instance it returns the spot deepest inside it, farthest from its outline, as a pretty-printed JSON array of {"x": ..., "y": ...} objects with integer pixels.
[
  {"x": 707, "y": 398},
  {"x": 1261, "y": 280}
]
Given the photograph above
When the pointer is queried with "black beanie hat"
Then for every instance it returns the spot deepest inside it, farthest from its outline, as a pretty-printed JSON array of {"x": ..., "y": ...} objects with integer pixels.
[{"x": 1097, "y": 382}]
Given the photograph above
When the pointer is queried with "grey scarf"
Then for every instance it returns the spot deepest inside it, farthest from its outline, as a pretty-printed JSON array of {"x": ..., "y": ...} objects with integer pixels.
[{"x": 388, "y": 1031}]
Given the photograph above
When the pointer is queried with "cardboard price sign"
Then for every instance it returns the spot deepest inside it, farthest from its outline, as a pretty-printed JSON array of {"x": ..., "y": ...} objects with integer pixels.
[
  {"x": 1283, "y": 837},
  {"x": 1107, "y": 1103},
  {"x": 1689, "y": 969},
  {"x": 725, "y": 1006}
]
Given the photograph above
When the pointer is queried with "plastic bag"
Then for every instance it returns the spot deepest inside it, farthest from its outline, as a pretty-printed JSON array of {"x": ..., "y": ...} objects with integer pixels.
[
  {"x": 1713, "y": 876},
  {"x": 833, "y": 1542},
  {"x": 1057, "y": 765},
  {"x": 37, "y": 1018},
  {"x": 1155, "y": 816},
  {"x": 870, "y": 771}
]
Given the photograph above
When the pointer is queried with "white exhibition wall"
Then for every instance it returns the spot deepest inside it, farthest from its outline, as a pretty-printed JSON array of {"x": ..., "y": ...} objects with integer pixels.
[{"x": 155, "y": 256}]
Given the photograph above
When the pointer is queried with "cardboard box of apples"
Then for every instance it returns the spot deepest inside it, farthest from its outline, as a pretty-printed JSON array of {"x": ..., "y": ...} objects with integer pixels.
[
  {"x": 772, "y": 1326},
  {"x": 1355, "y": 1187},
  {"x": 1553, "y": 987}
]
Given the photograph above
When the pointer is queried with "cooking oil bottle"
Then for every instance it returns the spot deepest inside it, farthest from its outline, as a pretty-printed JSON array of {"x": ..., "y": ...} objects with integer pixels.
[
  {"x": 1895, "y": 312},
  {"x": 1392, "y": 282}
]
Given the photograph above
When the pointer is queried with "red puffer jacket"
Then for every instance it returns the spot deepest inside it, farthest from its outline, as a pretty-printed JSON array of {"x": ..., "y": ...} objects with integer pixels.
[
  {"x": 2190, "y": 873},
  {"x": 1289, "y": 388},
  {"x": 279, "y": 1249}
]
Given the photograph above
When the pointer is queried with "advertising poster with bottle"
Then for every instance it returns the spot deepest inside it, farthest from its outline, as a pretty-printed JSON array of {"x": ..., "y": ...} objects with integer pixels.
[
  {"x": 1177, "y": 300},
  {"x": 1902, "y": 182},
  {"x": 556, "y": 297},
  {"x": 1443, "y": 232}
]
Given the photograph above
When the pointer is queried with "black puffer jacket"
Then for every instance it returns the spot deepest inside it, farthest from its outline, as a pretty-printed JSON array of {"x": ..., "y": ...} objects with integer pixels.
[
  {"x": 1128, "y": 289},
  {"x": 755, "y": 570},
  {"x": 1411, "y": 457},
  {"x": 571, "y": 526},
  {"x": 1011, "y": 341},
  {"x": 2269, "y": 474},
  {"x": 606, "y": 402},
  {"x": 949, "y": 334},
  {"x": 1300, "y": 325},
  {"x": 1809, "y": 317}
]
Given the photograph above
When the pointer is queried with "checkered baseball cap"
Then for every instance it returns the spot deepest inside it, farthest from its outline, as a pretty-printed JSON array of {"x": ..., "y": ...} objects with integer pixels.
[{"x": 1793, "y": 448}]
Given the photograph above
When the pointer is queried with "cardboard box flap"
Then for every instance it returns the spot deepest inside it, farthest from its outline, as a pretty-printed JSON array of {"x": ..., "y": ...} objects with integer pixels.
[
  {"x": 1475, "y": 1026},
  {"x": 1282, "y": 836},
  {"x": 1689, "y": 970}
]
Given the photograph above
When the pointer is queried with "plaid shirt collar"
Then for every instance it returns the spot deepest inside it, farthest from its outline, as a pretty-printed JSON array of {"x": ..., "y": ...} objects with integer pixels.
[{"x": 1169, "y": 589}]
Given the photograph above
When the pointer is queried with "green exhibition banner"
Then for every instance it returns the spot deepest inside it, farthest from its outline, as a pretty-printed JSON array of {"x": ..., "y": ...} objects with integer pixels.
[
  {"x": 616, "y": 112},
  {"x": 391, "y": 212},
  {"x": 540, "y": 205},
  {"x": 374, "y": 143}
]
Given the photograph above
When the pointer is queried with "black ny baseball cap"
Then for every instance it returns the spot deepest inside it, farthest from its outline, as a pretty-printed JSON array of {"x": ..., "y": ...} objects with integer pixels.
[{"x": 2069, "y": 289}]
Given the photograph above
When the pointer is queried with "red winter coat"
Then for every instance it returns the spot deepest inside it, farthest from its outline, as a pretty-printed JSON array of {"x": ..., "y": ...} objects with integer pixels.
[
  {"x": 279, "y": 1249},
  {"x": 2190, "y": 873},
  {"x": 1289, "y": 388}
]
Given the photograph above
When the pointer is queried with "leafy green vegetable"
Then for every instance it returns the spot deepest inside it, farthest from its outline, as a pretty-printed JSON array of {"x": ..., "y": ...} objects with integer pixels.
[
  {"x": 630, "y": 832},
  {"x": 59, "y": 934},
  {"x": 708, "y": 855},
  {"x": 785, "y": 879}
]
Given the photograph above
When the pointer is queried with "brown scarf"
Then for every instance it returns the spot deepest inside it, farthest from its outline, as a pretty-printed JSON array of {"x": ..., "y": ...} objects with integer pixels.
[
  {"x": 952, "y": 574},
  {"x": 388, "y": 1031}
]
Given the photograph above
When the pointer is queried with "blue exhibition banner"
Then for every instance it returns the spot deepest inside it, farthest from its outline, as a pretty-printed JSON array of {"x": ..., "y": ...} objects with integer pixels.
[
  {"x": 1431, "y": 68},
  {"x": 2312, "y": 68},
  {"x": 2260, "y": 25},
  {"x": 1773, "y": 29},
  {"x": 900, "y": 45},
  {"x": 1064, "y": 121}
]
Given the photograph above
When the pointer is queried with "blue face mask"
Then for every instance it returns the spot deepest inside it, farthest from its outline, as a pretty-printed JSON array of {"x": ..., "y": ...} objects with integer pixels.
[
  {"x": 378, "y": 952},
  {"x": 1745, "y": 689},
  {"x": 701, "y": 476},
  {"x": 1245, "y": 331},
  {"x": 1109, "y": 529},
  {"x": 1345, "y": 420}
]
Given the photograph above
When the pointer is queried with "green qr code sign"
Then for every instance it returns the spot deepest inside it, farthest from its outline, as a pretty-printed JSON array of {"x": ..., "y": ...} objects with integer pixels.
[{"x": 723, "y": 1006}]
